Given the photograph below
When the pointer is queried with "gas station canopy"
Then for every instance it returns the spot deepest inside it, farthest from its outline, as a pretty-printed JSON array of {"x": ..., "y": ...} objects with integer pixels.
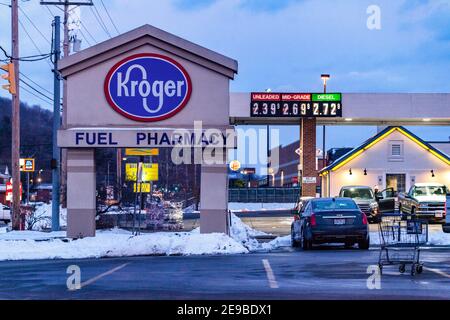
[{"x": 380, "y": 109}]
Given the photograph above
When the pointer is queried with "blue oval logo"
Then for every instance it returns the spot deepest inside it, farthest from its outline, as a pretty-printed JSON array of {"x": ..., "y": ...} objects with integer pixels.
[{"x": 147, "y": 87}]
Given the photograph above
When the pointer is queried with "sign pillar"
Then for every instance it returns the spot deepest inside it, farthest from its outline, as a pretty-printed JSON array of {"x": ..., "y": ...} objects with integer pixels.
[
  {"x": 81, "y": 193},
  {"x": 214, "y": 196},
  {"x": 308, "y": 156}
]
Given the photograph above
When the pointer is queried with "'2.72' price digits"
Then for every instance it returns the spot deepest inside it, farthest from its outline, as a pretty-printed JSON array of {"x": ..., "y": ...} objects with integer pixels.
[{"x": 296, "y": 109}]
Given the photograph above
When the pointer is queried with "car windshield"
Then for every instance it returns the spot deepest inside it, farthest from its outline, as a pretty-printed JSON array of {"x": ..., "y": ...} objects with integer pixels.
[
  {"x": 341, "y": 204},
  {"x": 357, "y": 193},
  {"x": 430, "y": 191}
]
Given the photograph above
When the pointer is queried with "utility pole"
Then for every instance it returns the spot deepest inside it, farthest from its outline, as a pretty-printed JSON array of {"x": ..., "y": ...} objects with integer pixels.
[
  {"x": 119, "y": 173},
  {"x": 66, "y": 52},
  {"x": 56, "y": 123},
  {"x": 16, "y": 223}
]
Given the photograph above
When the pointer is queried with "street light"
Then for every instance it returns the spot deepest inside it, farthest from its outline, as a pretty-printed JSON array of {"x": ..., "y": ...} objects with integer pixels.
[{"x": 325, "y": 77}]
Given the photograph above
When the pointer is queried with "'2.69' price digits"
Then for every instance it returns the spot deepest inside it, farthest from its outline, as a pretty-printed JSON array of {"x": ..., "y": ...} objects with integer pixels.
[{"x": 296, "y": 109}]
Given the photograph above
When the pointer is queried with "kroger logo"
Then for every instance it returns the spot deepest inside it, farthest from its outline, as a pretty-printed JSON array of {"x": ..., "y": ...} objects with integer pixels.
[{"x": 147, "y": 87}]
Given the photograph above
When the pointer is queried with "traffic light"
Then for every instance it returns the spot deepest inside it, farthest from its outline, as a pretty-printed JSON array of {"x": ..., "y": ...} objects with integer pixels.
[{"x": 10, "y": 76}]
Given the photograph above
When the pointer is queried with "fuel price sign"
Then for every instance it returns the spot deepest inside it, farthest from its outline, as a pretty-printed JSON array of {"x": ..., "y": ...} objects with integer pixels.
[{"x": 296, "y": 105}]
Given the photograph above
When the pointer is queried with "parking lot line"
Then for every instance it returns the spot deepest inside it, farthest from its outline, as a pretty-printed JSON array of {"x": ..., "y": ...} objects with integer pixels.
[
  {"x": 270, "y": 276},
  {"x": 104, "y": 274},
  {"x": 439, "y": 272}
]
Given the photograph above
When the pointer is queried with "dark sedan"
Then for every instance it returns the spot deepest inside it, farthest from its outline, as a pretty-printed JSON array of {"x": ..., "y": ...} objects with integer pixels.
[{"x": 330, "y": 220}]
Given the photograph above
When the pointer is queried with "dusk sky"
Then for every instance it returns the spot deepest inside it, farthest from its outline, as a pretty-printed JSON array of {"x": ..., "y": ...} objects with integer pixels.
[{"x": 281, "y": 45}]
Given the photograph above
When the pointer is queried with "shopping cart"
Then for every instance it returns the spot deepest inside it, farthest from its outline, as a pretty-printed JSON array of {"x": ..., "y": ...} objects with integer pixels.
[{"x": 400, "y": 242}]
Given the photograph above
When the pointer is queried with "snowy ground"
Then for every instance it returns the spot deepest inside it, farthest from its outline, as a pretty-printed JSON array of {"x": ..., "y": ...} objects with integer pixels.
[
  {"x": 242, "y": 206},
  {"x": 26, "y": 245}
]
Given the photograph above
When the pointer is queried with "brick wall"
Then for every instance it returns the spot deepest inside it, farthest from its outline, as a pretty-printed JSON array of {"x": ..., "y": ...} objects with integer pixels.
[{"x": 308, "y": 147}]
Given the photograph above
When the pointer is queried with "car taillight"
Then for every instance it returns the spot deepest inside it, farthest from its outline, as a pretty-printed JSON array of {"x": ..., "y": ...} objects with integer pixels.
[
  {"x": 313, "y": 221},
  {"x": 364, "y": 218}
]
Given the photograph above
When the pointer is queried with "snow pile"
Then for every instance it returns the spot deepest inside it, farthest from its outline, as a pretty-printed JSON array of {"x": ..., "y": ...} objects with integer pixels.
[
  {"x": 277, "y": 243},
  {"x": 242, "y": 233},
  {"x": 439, "y": 238},
  {"x": 42, "y": 217},
  {"x": 116, "y": 243},
  {"x": 244, "y": 207},
  {"x": 29, "y": 245}
]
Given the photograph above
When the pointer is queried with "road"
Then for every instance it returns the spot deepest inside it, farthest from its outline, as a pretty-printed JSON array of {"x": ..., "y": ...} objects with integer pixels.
[
  {"x": 275, "y": 222},
  {"x": 326, "y": 273}
]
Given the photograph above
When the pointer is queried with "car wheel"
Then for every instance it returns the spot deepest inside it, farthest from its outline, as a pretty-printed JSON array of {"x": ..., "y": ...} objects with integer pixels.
[
  {"x": 294, "y": 242},
  {"x": 348, "y": 245},
  {"x": 364, "y": 244},
  {"x": 305, "y": 243}
]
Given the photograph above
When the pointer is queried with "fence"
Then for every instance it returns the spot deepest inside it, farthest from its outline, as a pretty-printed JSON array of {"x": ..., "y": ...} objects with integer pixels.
[{"x": 267, "y": 195}]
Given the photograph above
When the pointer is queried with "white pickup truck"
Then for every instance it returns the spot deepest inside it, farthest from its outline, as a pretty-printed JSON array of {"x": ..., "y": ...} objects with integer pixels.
[
  {"x": 446, "y": 225},
  {"x": 5, "y": 213},
  {"x": 424, "y": 200}
]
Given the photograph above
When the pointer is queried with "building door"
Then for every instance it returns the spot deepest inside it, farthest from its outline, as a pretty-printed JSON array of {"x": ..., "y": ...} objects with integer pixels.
[{"x": 397, "y": 181}]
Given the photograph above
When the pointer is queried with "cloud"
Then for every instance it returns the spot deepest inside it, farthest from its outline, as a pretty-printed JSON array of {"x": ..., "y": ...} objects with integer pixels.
[{"x": 281, "y": 44}]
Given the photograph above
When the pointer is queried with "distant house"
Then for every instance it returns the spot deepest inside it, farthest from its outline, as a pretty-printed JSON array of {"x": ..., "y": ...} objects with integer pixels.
[{"x": 394, "y": 157}]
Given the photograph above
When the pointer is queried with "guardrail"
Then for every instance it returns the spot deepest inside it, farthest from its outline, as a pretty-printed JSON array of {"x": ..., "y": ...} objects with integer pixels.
[{"x": 265, "y": 195}]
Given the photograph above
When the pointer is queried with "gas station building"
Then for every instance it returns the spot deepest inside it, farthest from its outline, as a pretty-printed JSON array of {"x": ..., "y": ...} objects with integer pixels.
[{"x": 148, "y": 83}]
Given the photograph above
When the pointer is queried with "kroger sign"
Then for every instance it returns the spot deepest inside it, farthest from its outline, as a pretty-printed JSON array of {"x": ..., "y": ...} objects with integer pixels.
[{"x": 147, "y": 87}]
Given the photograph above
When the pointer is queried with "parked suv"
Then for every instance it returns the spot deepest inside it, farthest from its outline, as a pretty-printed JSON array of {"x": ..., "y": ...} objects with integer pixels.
[{"x": 370, "y": 203}]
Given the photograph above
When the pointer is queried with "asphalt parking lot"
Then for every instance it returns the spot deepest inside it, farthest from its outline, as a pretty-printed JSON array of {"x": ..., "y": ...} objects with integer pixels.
[{"x": 325, "y": 273}]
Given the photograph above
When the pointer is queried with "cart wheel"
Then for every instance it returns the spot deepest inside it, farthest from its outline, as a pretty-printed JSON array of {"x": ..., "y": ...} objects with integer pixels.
[
  {"x": 419, "y": 269},
  {"x": 402, "y": 268}
]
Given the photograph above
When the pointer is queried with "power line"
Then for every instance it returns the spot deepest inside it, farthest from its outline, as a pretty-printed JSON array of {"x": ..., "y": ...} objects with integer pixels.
[
  {"x": 35, "y": 95},
  {"x": 85, "y": 38},
  {"x": 52, "y": 15},
  {"x": 87, "y": 31},
  {"x": 32, "y": 23},
  {"x": 35, "y": 83},
  {"x": 32, "y": 41},
  {"x": 99, "y": 20},
  {"x": 107, "y": 13},
  {"x": 32, "y": 58},
  {"x": 34, "y": 89}
]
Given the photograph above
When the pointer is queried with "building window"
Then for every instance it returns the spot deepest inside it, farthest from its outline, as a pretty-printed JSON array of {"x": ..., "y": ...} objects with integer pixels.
[{"x": 395, "y": 151}]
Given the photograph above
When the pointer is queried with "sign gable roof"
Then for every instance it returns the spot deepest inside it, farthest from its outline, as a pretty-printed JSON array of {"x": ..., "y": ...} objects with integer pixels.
[{"x": 148, "y": 34}]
